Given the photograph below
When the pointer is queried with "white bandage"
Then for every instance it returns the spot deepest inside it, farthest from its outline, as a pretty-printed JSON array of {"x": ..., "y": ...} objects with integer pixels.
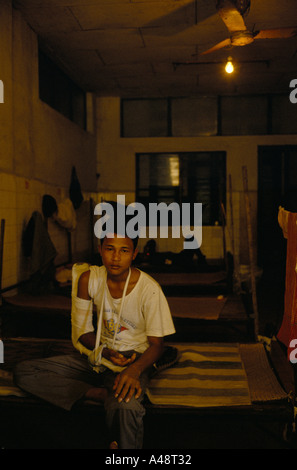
[{"x": 81, "y": 321}]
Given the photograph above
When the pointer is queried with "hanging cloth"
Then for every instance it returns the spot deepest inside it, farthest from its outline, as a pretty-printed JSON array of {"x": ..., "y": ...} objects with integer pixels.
[
  {"x": 288, "y": 329},
  {"x": 66, "y": 215},
  {"x": 37, "y": 244},
  {"x": 283, "y": 216}
]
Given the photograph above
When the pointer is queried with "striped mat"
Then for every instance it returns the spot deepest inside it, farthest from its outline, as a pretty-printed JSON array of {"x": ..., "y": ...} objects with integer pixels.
[
  {"x": 210, "y": 375},
  {"x": 206, "y": 375}
]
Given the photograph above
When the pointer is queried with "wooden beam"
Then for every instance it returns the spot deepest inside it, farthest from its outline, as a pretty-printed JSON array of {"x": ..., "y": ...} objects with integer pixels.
[{"x": 251, "y": 250}]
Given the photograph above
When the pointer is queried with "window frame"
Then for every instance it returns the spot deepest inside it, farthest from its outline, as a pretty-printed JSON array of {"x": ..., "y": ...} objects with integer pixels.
[
  {"x": 217, "y": 188},
  {"x": 60, "y": 92}
]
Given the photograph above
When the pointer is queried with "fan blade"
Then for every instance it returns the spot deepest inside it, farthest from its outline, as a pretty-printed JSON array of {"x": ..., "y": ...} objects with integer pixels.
[
  {"x": 280, "y": 33},
  {"x": 220, "y": 45},
  {"x": 231, "y": 16}
]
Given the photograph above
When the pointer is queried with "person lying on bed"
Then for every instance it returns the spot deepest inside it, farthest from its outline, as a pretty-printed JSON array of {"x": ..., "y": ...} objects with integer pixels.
[{"x": 135, "y": 318}]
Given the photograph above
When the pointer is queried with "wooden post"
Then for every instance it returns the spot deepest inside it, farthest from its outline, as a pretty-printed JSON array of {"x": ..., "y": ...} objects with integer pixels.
[
  {"x": 251, "y": 250},
  {"x": 231, "y": 216},
  {"x": 223, "y": 216},
  {"x": 2, "y": 230},
  {"x": 237, "y": 285}
]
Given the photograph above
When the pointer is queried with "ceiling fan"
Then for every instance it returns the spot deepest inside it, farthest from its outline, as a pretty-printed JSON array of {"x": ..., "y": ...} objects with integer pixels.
[{"x": 232, "y": 12}]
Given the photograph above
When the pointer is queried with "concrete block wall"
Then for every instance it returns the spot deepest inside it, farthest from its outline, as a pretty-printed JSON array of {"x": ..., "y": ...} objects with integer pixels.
[{"x": 38, "y": 148}]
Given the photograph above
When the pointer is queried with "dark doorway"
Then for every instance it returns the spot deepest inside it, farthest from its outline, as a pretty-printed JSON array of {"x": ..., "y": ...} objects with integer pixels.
[{"x": 277, "y": 186}]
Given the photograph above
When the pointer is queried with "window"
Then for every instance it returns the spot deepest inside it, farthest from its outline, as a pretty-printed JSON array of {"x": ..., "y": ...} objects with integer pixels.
[
  {"x": 244, "y": 115},
  {"x": 209, "y": 116},
  {"x": 176, "y": 117},
  {"x": 194, "y": 116},
  {"x": 183, "y": 177},
  {"x": 145, "y": 118},
  {"x": 283, "y": 115},
  {"x": 58, "y": 91}
]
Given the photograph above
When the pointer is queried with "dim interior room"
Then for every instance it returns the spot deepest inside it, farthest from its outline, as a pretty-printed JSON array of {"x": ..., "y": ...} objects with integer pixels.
[{"x": 101, "y": 98}]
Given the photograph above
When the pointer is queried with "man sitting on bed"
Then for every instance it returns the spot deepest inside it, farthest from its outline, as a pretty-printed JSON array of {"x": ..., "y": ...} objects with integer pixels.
[{"x": 135, "y": 318}]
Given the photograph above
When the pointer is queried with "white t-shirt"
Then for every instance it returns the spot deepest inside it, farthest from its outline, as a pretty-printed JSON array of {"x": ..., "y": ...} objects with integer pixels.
[{"x": 145, "y": 313}]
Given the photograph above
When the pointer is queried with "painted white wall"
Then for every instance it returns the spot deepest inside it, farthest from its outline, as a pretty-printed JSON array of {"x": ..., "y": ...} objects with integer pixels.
[{"x": 116, "y": 165}]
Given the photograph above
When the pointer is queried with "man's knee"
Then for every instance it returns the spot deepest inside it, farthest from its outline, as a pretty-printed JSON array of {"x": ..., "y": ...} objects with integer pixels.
[{"x": 134, "y": 405}]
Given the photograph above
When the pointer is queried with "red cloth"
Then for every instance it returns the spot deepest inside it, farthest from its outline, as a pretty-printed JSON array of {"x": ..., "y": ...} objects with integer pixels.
[{"x": 288, "y": 329}]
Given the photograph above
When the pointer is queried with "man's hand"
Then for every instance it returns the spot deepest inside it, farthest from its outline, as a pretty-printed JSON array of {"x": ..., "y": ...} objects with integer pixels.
[
  {"x": 127, "y": 384},
  {"x": 117, "y": 358}
]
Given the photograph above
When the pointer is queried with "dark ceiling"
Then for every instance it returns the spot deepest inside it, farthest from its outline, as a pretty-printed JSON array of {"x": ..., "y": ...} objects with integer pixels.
[{"x": 141, "y": 48}]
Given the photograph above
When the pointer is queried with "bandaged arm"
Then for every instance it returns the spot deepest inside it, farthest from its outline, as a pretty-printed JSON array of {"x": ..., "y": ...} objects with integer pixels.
[
  {"x": 82, "y": 324},
  {"x": 83, "y": 334},
  {"x": 82, "y": 317}
]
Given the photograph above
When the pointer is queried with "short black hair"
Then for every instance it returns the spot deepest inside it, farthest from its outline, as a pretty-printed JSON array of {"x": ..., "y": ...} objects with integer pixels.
[{"x": 134, "y": 240}]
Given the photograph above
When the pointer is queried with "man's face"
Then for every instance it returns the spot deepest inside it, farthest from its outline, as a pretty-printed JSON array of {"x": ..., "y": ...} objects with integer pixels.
[{"x": 117, "y": 254}]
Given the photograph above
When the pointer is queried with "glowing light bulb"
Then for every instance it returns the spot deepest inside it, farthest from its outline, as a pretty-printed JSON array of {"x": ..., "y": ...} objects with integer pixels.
[{"x": 229, "y": 66}]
